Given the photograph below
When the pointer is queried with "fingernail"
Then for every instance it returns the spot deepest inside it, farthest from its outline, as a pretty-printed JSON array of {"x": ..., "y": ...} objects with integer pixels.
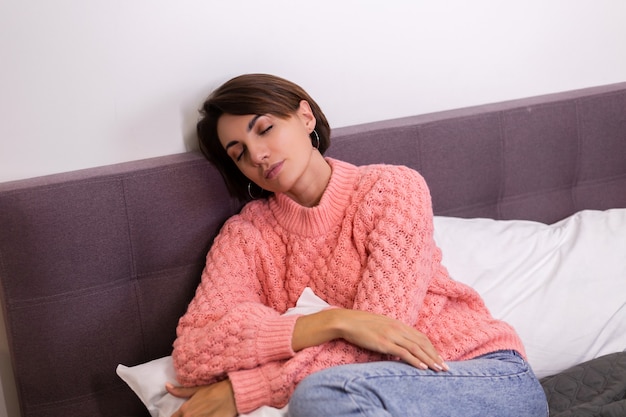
[
  {"x": 439, "y": 367},
  {"x": 423, "y": 366},
  {"x": 445, "y": 366}
]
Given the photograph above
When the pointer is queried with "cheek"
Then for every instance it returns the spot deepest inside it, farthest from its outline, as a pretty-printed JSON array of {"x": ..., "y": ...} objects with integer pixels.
[
  {"x": 249, "y": 172},
  {"x": 300, "y": 141}
]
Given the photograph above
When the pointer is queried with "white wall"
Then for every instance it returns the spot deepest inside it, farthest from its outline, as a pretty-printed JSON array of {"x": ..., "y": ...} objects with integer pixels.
[{"x": 88, "y": 83}]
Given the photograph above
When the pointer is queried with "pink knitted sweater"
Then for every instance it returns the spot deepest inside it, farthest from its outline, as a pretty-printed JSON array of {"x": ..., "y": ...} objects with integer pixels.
[{"x": 368, "y": 245}]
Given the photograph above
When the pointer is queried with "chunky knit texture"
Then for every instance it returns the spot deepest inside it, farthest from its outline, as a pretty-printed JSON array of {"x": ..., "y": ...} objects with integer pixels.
[{"x": 368, "y": 245}]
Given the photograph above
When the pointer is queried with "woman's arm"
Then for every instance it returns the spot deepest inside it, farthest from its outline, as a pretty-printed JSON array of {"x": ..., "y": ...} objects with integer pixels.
[
  {"x": 228, "y": 326},
  {"x": 370, "y": 331},
  {"x": 329, "y": 338}
]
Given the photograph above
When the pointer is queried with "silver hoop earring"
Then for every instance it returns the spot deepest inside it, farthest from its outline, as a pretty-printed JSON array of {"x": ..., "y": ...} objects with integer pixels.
[
  {"x": 317, "y": 139},
  {"x": 250, "y": 191}
]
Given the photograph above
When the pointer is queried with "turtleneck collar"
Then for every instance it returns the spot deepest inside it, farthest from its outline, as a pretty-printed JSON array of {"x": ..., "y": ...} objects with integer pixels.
[{"x": 311, "y": 221}]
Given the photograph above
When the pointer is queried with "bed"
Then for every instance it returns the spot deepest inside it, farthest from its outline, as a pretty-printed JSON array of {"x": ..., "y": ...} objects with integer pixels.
[{"x": 97, "y": 265}]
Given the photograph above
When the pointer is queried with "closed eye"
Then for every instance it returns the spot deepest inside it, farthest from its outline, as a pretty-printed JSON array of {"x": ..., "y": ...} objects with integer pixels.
[
  {"x": 243, "y": 151},
  {"x": 264, "y": 131}
]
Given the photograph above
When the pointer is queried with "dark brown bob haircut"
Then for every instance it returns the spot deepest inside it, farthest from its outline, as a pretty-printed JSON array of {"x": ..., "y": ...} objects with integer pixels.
[{"x": 252, "y": 94}]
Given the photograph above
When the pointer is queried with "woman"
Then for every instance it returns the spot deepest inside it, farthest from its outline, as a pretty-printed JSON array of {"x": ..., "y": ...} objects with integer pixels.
[{"x": 401, "y": 337}]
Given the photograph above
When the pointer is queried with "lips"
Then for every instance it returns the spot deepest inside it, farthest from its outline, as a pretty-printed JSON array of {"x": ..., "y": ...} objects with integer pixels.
[{"x": 273, "y": 171}]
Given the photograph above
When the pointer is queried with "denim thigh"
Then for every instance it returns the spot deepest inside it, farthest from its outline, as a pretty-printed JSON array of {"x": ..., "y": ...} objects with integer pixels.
[{"x": 498, "y": 384}]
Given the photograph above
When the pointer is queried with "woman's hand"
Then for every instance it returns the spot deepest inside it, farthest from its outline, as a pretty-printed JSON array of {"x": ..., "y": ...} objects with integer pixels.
[
  {"x": 370, "y": 331},
  {"x": 215, "y": 400},
  {"x": 385, "y": 335}
]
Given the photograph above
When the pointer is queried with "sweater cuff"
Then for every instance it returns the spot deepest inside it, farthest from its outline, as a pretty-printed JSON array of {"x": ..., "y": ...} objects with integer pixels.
[
  {"x": 251, "y": 389},
  {"x": 274, "y": 339}
]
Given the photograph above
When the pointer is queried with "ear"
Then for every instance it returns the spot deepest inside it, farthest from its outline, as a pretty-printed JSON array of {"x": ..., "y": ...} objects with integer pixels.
[{"x": 306, "y": 115}]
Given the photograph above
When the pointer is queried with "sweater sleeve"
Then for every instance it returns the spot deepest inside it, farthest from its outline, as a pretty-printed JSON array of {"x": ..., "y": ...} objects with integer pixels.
[
  {"x": 228, "y": 325},
  {"x": 273, "y": 383},
  {"x": 402, "y": 255}
]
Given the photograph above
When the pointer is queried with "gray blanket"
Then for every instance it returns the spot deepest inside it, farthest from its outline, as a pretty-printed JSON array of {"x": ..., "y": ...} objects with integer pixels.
[{"x": 595, "y": 388}]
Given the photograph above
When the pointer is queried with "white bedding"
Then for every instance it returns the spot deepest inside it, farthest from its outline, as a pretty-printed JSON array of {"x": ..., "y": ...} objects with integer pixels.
[{"x": 562, "y": 286}]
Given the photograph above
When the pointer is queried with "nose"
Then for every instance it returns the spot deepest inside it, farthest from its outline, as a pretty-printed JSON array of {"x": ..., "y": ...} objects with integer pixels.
[{"x": 258, "y": 152}]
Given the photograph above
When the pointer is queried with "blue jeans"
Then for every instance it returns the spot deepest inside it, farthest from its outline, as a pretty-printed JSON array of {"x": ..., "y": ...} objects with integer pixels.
[{"x": 499, "y": 384}]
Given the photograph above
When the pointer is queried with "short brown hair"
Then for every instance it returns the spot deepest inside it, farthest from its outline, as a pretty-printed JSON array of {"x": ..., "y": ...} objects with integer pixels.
[{"x": 252, "y": 94}]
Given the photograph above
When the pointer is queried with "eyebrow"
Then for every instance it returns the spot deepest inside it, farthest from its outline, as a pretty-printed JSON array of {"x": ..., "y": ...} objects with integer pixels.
[
  {"x": 250, "y": 126},
  {"x": 253, "y": 121}
]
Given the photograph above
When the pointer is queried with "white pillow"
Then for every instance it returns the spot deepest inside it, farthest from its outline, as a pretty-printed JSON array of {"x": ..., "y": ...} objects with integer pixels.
[
  {"x": 148, "y": 380},
  {"x": 562, "y": 286}
]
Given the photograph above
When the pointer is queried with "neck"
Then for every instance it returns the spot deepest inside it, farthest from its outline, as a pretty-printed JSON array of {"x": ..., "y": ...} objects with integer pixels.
[{"x": 310, "y": 189}]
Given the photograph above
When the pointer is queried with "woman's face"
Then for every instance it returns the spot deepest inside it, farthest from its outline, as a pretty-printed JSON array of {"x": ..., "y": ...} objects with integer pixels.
[{"x": 271, "y": 151}]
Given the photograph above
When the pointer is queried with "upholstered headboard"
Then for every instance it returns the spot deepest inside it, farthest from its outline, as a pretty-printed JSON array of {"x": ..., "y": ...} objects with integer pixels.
[
  {"x": 541, "y": 158},
  {"x": 97, "y": 265}
]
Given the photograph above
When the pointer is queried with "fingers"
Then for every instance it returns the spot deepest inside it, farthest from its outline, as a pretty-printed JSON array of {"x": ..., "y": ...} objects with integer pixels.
[
  {"x": 180, "y": 392},
  {"x": 424, "y": 361},
  {"x": 421, "y": 359},
  {"x": 423, "y": 350},
  {"x": 415, "y": 348},
  {"x": 212, "y": 400}
]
